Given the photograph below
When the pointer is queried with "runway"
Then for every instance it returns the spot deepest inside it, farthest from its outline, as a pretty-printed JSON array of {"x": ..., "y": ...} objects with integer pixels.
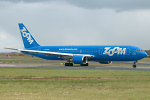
[{"x": 76, "y": 67}]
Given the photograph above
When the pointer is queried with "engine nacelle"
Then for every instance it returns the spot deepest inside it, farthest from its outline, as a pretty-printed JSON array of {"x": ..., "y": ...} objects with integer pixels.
[
  {"x": 105, "y": 62},
  {"x": 79, "y": 60}
]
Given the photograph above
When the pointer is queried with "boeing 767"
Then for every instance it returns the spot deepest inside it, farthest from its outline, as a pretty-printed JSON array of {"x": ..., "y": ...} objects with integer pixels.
[{"x": 104, "y": 54}]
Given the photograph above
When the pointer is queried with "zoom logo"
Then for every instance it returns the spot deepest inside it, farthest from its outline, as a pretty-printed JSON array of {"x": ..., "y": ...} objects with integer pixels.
[
  {"x": 27, "y": 35},
  {"x": 115, "y": 50}
]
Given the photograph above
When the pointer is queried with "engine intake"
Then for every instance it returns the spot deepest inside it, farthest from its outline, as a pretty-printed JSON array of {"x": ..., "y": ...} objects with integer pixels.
[{"x": 79, "y": 60}]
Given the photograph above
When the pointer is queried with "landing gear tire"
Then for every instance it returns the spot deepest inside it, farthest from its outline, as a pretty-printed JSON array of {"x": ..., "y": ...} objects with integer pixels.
[
  {"x": 84, "y": 64},
  {"x": 68, "y": 64},
  {"x": 134, "y": 66}
]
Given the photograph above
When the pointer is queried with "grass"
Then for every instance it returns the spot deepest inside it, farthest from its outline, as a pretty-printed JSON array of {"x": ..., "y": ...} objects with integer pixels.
[
  {"x": 145, "y": 59},
  {"x": 18, "y": 57},
  {"x": 32, "y": 62},
  {"x": 74, "y": 90},
  {"x": 73, "y": 84},
  {"x": 27, "y": 60}
]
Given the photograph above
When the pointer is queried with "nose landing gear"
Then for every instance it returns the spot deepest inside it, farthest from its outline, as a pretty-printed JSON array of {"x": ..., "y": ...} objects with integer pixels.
[{"x": 134, "y": 64}]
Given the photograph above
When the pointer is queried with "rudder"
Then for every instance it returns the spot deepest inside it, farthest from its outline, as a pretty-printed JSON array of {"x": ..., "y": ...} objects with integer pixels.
[{"x": 27, "y": 38}]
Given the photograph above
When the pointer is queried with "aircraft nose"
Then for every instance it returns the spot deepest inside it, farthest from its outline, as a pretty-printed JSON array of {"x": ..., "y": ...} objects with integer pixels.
[{"x": 144, "y": 54}]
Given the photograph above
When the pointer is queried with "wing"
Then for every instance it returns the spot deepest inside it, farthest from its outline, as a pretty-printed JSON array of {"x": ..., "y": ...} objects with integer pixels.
[{"x": 59, "y": 54}]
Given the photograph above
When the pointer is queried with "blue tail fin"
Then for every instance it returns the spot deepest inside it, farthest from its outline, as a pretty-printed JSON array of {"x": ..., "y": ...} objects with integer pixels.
[{"x": 27, "y": 38}]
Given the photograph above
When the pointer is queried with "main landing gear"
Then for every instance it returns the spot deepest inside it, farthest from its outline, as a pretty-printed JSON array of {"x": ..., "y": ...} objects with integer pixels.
[
  {"x": 68, "y": 64},
  {"x": 84, "y": 64},
  {"x": 134, "y": 64},
  {"x": 71, "y": 64}
]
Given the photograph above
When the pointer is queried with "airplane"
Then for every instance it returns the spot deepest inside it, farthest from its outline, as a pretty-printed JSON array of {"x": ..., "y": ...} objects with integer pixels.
[{"x": 80, "y": 54}]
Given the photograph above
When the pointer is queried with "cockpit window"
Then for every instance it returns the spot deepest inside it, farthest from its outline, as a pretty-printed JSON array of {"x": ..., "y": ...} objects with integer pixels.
[{"x": 138, "y": 50}]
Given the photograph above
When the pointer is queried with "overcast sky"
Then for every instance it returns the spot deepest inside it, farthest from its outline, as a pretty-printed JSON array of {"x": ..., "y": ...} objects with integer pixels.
[{"x": 76, "y": 22}]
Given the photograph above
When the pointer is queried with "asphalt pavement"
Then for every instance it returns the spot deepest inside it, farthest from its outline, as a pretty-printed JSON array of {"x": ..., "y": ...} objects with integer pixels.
[{"x": 77, "y": 67}]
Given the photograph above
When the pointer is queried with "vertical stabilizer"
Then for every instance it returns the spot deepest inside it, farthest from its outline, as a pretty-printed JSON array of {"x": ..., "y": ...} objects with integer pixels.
[{"x": 27, "y": 38}]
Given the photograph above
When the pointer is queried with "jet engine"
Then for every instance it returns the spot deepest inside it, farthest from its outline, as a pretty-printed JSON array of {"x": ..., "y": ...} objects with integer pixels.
[{"x": 79, "y": 60}]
